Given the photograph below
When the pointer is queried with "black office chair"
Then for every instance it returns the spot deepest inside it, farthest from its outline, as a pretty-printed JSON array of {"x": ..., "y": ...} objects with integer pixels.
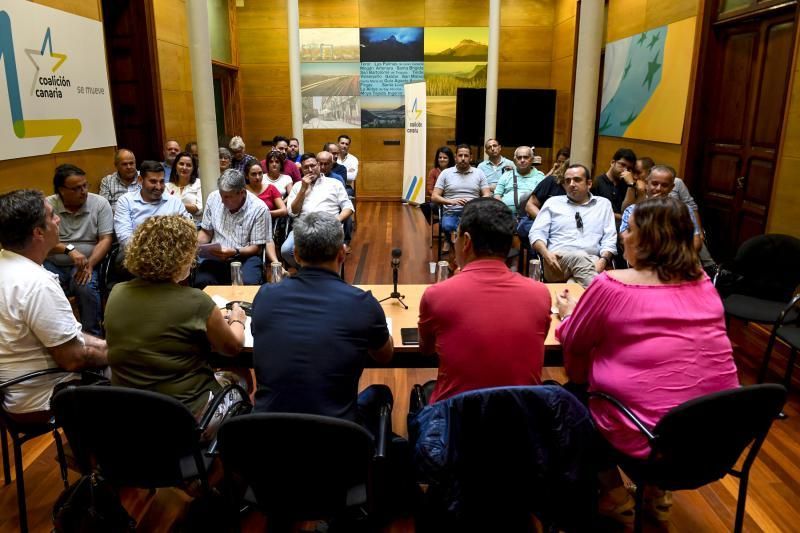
[
  {"x": 787, "y": 329},
  {"x": 300, "y": 467},
  {"x": 20, "y": 434},
  {"x": 492, "y": 457},
  {"x": 701, "y": 440},
  {"x": 760, "y": 281},
  {"x": 133, "y": 438}
]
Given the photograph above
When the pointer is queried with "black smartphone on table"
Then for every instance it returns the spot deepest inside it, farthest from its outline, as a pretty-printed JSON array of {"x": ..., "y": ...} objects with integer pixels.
[{"x": 410, "y": 336}]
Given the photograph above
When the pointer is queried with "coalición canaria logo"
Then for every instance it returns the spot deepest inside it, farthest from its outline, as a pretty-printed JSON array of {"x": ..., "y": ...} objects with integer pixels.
[{"x": 47, "y": 86}]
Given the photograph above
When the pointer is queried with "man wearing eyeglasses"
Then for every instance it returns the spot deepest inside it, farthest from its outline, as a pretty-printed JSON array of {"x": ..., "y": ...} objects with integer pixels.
[
  {"x": 575, "y": 234},
  {"x": 87, "y": 225}
]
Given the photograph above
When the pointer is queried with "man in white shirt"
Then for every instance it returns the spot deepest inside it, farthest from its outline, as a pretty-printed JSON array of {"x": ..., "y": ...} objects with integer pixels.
[
  {"x": 313, "y": 193},
  {"x": 575, "y": 234},
  {"x": 37, "y": 327},
  {"x": 240, "y": 222},
  {"x": 347, "y": 159}
]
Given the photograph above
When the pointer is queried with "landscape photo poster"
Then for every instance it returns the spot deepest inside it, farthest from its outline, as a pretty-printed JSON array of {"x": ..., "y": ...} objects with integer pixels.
[
  {"x": 54, "y": 93},
  {"x": 353, "y": 77}
]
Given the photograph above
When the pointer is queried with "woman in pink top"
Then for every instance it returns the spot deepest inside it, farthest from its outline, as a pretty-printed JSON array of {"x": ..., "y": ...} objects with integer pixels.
[{"x": 653, "y": 336}]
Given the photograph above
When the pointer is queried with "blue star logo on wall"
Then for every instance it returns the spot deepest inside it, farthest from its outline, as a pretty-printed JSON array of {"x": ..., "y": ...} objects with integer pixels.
[{"x": 37, "y": 57}]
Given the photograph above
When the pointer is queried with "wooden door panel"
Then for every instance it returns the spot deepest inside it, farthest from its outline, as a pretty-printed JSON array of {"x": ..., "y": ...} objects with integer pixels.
[
  {"x": 774, "y": 74},
  {"x": 733, "y": 89},
  {"x": 724, "y": 169},
  {"x": 758, "y": 185},
  {"x": 748, "y": 226}
]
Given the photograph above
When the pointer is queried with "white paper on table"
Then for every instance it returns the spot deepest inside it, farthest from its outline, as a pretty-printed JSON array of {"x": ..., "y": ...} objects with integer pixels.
[
  {"x": 389, "y": 324},
  {"x": 205, "y": 250},
  {"x": 219, "y": 301},
  {"x": 248, "y": 333}
]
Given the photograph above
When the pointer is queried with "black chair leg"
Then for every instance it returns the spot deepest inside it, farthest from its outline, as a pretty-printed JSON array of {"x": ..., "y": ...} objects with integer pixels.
[
  {"x": 762, "y": 374},
  {"x": 787, "y": 378},
  {"x": 18, "y": 467},
  {"x": 742, "y": 500},
  {"x": 6, "y": 462},
  {"x": 638, "y": 518},
  {"x": 62, "y": 460}
]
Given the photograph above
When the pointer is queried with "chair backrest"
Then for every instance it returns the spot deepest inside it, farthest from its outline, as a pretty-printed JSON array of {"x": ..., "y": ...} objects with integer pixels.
[
  {"x": 134, "y": 438},
  {"x": 509, "y": 448},
  {"x": 700, "y": 441},
  {"x": 770, "y": 266},
  {"x": 297, "y": 465}
]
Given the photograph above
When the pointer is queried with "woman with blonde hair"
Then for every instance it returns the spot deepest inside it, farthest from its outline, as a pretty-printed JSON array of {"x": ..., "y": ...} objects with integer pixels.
[{"x": 160, "y": 333}]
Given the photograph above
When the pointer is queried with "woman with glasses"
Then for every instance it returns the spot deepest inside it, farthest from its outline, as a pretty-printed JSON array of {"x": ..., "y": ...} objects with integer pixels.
[
  {"x": 258, "y": 185},
  {"x": 185, "y": 185},
  {"x": 653, "y": 336}
]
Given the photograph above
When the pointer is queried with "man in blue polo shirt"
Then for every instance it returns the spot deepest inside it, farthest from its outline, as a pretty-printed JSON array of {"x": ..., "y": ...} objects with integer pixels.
[
  {"x": 496, "y": 164},
  {"x": 313, "y": 332}
]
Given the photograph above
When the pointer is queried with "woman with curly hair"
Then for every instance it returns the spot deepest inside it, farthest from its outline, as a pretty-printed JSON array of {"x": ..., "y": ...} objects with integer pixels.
[{"x": 159, "y": 332}]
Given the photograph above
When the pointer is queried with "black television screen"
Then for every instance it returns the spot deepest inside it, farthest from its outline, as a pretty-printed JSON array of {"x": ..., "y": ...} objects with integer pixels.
[{"x": 524, "y": 116}]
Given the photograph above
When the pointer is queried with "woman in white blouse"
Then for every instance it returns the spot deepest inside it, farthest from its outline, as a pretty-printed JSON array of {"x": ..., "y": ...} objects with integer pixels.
[{"x": 185, "y": 184}]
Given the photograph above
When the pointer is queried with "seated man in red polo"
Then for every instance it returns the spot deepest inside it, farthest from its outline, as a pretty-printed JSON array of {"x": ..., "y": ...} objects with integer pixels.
[{"x": 487, "y": 324}]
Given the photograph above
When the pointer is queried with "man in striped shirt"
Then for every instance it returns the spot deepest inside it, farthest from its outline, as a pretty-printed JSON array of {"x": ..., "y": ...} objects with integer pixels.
[{"x": 241, "y": 224}]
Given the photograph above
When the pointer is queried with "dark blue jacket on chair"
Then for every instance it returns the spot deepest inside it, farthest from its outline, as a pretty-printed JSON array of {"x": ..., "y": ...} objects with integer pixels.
[{"x": 497, "y": 452}]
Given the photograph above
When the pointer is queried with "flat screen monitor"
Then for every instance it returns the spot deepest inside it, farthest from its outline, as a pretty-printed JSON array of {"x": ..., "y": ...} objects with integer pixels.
[{"x": 524, "y": 116}]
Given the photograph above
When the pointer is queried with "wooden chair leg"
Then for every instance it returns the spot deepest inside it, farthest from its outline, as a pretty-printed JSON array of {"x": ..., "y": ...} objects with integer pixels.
[
  {"x": 787, "y": 377},
  {"x": 6, "y": 462}
]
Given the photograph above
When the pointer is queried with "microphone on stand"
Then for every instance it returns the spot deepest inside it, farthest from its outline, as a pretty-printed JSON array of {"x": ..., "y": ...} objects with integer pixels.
[{"x": 396, "y": 253}]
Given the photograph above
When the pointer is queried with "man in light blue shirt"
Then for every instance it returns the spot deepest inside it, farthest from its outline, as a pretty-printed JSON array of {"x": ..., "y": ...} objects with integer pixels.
[
  {"x": 518, "y": 182},
  {"x": 494, "y": 167},
  {"x": 171, "y": 150},
  {"x": 133, "y": 208},
  {"x": 575, "y": 234}
]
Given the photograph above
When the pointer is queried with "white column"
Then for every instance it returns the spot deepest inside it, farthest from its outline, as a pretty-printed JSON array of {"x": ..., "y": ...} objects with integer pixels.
[
  {"x": 293, "y": 27},
  {"x": 490, "y": 124},
  {"x": 205, "y": 115},
  {"x": 587, "y": 79}
]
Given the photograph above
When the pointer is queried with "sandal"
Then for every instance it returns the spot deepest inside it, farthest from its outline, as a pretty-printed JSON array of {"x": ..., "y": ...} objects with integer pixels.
[{"x": 622, "y": 512}]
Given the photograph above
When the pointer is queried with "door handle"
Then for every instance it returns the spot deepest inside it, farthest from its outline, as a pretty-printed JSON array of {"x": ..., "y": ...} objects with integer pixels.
[{"x": 740, "y": 182}]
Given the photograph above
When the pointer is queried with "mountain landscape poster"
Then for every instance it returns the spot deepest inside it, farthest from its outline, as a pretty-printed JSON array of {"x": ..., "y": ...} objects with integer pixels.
[
  {"x": 391, "y": 44},
  {"x": 382, "y": 112},
  {"x": 329, "y": 44},
  {"x": 457, "y": 44}
]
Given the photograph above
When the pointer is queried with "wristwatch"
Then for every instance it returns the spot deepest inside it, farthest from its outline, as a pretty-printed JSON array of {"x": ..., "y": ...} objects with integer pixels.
[
  {"x": 631, "y": 185},
  {"x": 68, "y": 248},
  {"x": 236, "y": 255}
]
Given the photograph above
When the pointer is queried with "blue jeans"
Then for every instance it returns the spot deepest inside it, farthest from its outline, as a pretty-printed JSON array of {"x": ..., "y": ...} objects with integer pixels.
[
  {"x": 287, "y": 251},
  {"x": 450, "y": 220},
  {"x": 88, "y": 296},
  {"x": 214, "y": 272}
]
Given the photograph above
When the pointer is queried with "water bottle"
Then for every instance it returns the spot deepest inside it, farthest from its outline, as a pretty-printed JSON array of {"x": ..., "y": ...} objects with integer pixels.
[
  {"x": 277, "y": 272},
  {"x": 236, "y": 273},
  {"x": 535, "y": 269},
  {"x": 444, "y": 271}
]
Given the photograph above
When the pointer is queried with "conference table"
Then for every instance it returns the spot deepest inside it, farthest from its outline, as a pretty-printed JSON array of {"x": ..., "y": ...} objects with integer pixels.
[{"x": 406, "y": 356}]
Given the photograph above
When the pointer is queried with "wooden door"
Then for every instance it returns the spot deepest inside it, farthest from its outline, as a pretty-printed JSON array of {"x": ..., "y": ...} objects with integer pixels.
[
  {"x": 750, "y": 64},
  {"x": 133, "y": 76}
]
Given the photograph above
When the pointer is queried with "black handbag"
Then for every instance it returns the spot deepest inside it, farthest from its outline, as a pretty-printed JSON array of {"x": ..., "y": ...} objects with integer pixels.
[{"x": 91, "y": 505}]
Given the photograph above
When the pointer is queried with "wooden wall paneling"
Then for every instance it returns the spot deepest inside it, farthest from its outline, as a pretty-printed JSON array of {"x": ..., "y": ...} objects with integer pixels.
[
  {"x": 662, "y": 153},
  {"x": 561, "y": 74},
  {"x": 99, "y": 160},
  {"x": 564, "y": 39},
  {"x": 624, "y": 18},
  {"x": 520, "y": 43},
  {"x": 264, "y": 79},
  {"x": 329, "y": 14},
  {"x": 527, "y": 13},
  {"x": 174, "y": 67},
  {"x": 258, "y": 48},
  {"x": 374, "y": 149},
  {"x": 524, "y": 75},
  {"x": 257, "y": 16},
  {"x": 564, "y": 9},
  {"x": 83, "y": 8},
  {"x": 265, "y": 117},
  {"x": 457, "y": 13},
  {"x": 436, "y": 138},
  {"x": 380, "y": 179},
  {"x": 661, "y": 12},
  {"x": 784, "y": 217},
  {"x": 171, "y": 23},
  {"x": 314, "y": 139},
  {"x": 28, "y": 173},
  {"x": 791, "y": 125},
  {"x": 385, "y": 13}
]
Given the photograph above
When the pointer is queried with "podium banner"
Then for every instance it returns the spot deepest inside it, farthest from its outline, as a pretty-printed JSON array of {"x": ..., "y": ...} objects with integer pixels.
[{"x": 414, "y": 155}]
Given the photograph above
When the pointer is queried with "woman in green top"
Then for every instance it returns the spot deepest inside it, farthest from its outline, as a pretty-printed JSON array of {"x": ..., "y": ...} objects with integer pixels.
[{"x": 159, "y": 332}]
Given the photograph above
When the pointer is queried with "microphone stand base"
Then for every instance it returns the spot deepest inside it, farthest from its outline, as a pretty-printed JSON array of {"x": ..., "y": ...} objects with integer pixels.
[{"x": 396, "y": 296}]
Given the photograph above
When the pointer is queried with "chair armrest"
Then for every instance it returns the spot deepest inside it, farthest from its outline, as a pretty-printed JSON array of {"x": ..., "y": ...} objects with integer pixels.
[
  {"x": 384, "y": 430},
  {"x": 627, "y": 412},
  {"x": 32, "y": 375},
  {"x": 208, "y": 415},
  {"x": 782, "y": 317}
]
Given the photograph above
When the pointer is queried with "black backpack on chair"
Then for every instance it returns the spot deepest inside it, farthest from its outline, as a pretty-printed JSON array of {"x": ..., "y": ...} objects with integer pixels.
[{"x": 91, "y": 505}]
